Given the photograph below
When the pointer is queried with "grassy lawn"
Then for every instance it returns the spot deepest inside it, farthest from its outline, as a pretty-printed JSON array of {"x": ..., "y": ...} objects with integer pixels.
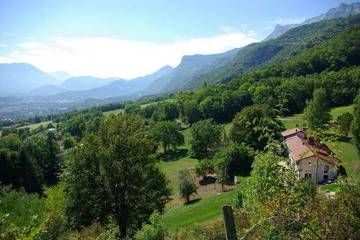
[
  {"x": 171, "y": 170},
  {"x": 332, "y": 187},
  {"x": 36, "y": 125},
  {"x": 206, "y": 210},
  {"x": 117, "y": 111},
  {"x": 291, "y": 121},
  {"x": 349, "y": 157},
  {"x": 173, "y": 163}
]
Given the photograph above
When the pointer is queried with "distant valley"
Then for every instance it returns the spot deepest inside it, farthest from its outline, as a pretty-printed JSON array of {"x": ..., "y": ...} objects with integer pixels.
[{"x": 60, "y": 90}]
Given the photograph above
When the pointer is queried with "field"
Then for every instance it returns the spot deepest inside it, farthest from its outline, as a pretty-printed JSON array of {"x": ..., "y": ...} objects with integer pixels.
[
  {"x": 206, "y": 210},
  {"x": 296, "y": 120},
  {"x": 36, "y": 125},
  {"x": 206, "y": 205},
  {"x": 117, "y": 111}
]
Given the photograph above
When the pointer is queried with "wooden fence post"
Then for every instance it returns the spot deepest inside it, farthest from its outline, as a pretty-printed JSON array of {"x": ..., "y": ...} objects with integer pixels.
[{"x": 230, "y": 231}]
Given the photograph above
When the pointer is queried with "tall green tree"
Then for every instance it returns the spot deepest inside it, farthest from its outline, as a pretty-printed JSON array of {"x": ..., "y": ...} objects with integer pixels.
[
  {"x": 238, "y": 159},
  {"x": 187, "y": 185},
  {"x": 167, "y": 134},
  {"x": 255, "y": 126},
  {"x": 317, "y": 111},
  {"x": 107, "y": 172},
  {"x": 166, "y": 111},
  {"x": 205, "y": 135},
  {"x": 192, "y": 112},
  {"x": 355, "y": 126},
  {"x": 344, "y": 122}
]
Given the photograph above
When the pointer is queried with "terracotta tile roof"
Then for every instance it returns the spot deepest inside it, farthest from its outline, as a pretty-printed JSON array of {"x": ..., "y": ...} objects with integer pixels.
[
  {"x": 301, "y": 147},
  {"x": 297, "y": 148}
]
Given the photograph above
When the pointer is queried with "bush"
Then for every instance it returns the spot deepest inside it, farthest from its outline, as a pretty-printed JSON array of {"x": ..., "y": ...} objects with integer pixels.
[
  {"x": 156, "y": 230},
  {"x": 204, "y": 167},
  {"x": 187, "y": 185}
]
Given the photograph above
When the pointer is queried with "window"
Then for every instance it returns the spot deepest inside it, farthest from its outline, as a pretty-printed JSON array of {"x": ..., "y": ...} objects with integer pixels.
[
  {"x": 308, "y": 175},
  {"x": 326, "y": 177},
  {"x": 326, "y": 168}
]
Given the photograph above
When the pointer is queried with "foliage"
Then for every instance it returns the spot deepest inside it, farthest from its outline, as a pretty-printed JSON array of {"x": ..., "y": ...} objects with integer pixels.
[
  {"x": 344, "y": 122},
  {"x": 205, "y": 134},
  {"x": 275, "y": 200},
  {"x": 69, "y": 141},
  {"x": 204, "y": 167},
  {"x": 106, "y": 173},
  {"x": 148, "y": 111},
  {"x": 355, "y": 127},
  {"x": 192, "y": 112},
  {"x": 30, "y": 163},
  {"x": 20, "y": 215},
  {"x": 317, "y": 110},
  {"x": 238, "y": 160},
  {"x": 167, "y": 134},
  {"x": 187, "y": 185},
  {"x": 166, "y": 111},
  {"x": 255, "y": 126},
  {"x": 156, "y": 230},
  {"x": 132, "y": 108}
]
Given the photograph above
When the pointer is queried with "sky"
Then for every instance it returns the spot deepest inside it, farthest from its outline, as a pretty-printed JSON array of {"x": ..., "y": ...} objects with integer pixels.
[{"x": 132, "y": 38}]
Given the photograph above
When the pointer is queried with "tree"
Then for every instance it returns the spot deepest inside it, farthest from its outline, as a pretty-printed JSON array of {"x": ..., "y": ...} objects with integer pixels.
[
  {"x": 156, "y": 230},
  {"x": 255, "y": 126},
  {"x": 69, "y": 141},
  {"x": 192, "y": 112},
  {"x": 239, "y": 159},
  {"x": 11, "y": 142},
  {"x": 148, "y": 111},
  {"x": 211, "y": 107},
  {"x": 166, "y": 111},
  {"x": 108, "y": 170},
  {"x": 344, "y": 123},
  {"x": 76, "y": 126},
  {"x": 167, "y": 133},
  {"x": 205, "y": 134},
  {"x": 187, "y": 185},
  {"x": 317, "y": 111},
  {"x": 233, "y": 102},
  {"x": 132, "y": 108},
  {"x": 355, "y": 126}
]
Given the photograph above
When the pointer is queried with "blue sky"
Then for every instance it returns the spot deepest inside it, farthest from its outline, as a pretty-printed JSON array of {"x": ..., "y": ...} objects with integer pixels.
[{"x": 116, "y": 34}]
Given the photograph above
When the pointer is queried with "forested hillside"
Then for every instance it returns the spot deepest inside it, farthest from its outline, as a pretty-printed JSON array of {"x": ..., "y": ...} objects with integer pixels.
[{"x": 293, "y": 42}]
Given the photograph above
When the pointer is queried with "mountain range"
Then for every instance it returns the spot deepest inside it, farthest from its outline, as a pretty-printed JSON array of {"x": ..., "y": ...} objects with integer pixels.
[
  {"x": 342, "y": 11},
  {"x": 192, "y": 72}
]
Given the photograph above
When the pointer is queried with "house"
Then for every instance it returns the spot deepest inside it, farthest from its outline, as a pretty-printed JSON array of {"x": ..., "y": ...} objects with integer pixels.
[{"x": 310, "y": 158}]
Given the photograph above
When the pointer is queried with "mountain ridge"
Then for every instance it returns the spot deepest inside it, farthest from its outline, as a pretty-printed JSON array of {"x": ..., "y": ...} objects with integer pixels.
[{"x": 342, "y": 11}]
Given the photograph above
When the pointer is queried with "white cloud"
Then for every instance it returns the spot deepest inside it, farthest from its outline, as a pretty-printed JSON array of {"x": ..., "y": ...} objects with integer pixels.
[{"x": 109, "y": 57}]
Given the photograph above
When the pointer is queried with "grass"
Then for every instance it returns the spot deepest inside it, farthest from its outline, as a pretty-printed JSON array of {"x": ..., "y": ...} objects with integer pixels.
[
  {"x": 350, "y": 159},
  {"x": 296, "y": 120},
  {"x": 171, "y": 170},
  {"x": 172, "y": 164},
  {"x": 332, "y": 187},
  {"x": 36, "y": 125},
  {"x": 206, "y": 210},
  {"x": 117, "y": 111}
]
